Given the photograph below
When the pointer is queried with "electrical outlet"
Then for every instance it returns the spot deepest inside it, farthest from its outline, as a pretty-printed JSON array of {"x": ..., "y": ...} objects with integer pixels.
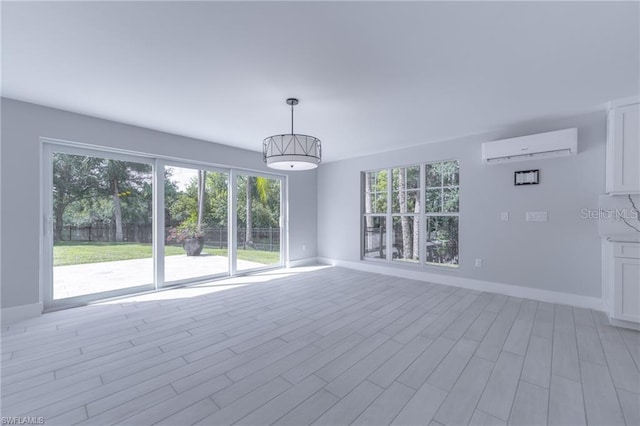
[
  {"x": 505, "y": 216},
  {"x": 304, "y": 247},
  {"x": 536, "y": 216},
  {"x": 478, "y": 263}
]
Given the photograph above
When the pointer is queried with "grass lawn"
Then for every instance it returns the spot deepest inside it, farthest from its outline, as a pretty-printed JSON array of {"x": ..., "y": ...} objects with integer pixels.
[{"x": 77, "y": 252}]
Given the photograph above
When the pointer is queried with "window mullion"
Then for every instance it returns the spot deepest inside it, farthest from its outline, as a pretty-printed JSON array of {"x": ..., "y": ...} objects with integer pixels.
[
  {"x": 422, "y": 248},
  {"x": 389, "y": 224},
  {"x": 158, "y": 237}
]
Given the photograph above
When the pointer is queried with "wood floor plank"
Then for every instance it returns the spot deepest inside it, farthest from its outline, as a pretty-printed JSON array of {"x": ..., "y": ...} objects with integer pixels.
[
  {"x": 481, "y": 418},
  {"x": 350, "y": 407},
  {"x": 418, "y": 372},
  {"x": 210, "y": 371},
  {"x": 191, "y": 414},
  {"x": 422, "y": 407},
  {"x": 387, "y": 406},
  {"x": 415, "y": 328},
  {"x": 565, "y": 354},
  {"x": 447, "y": 373},
  {"x": 537, "y": 363},
  {"x": 394, "y": 366},
  {"x": 583, "y": 317},
  {"x": 480, "y": 326},
  {"x": 179, "y": 402},
  {"x": 460, "y": 403},
  {"x": 543, "y": 322},
  {"x": 248, "y": 403},
  {"x": 71, "y": 417},
  {"x": 632, "y": 340},
  {"x": 566, "y": 406},
  {"x": 283, "y": 403},
  {"x": 498, "y": 395},
  {"x": 589, "y": 347},
  {"x": 630, "y": 403},
  {"x": 336, "y": 367},
  {"x": 493, "y": 341},
  {"x": 129, "y": 407},
  {"x": 621, "y": 366},
  {"x": 351, "y": 378},
  {"x": 600, "y": 398},
  {"x": 518, "y": 337},
  {"x": 312, "y": 408},
  {"x": 530, "y": 405},
  {"x": 467, "y": 317},
  {"x": 246, "y": 385},
  {"x": 496, "y": 303},
  {"x": 301, "y": 371}
]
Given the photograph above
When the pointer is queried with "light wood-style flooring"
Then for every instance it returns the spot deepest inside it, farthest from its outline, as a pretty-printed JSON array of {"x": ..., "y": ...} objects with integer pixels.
[{"x": 325, "y": 346}]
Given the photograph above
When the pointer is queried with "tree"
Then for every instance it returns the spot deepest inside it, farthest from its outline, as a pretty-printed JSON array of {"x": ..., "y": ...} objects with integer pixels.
[
  {"x": 407, "y": 251},
  {"x": 122, "y": 179},
  {"x": 249, "y": 221},
  {"x": 202, "y": 180},
  {"x": 262, "y": 191},
  {"x": 75, "y": 178}
]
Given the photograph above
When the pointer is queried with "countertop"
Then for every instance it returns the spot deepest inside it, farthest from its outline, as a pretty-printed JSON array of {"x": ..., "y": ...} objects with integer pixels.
[{"x": 622, "y": 238}]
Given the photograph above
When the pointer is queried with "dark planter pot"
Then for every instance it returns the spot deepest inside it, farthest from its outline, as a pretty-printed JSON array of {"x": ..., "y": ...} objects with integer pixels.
[{"x": 193, "y": 246}]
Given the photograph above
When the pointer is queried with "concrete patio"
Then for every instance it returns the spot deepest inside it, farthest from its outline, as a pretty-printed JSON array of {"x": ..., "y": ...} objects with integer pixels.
[{"x": 88, "y": 278}]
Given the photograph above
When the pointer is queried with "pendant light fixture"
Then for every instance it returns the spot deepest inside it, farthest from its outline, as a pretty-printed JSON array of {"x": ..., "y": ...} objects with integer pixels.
[{"x": 291, "y": 151}]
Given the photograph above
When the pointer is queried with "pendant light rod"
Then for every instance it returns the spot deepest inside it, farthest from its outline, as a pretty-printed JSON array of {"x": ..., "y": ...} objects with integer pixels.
[{"x": 292, "y": 102}]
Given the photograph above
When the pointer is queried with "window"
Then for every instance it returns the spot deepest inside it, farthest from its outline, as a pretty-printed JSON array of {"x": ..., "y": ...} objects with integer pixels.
[
  {"x": 406, "y": 214},
  {"x": 442, "y": 206},
  {"x": 396, "y": 218},
  {"x": 375, "y": 210}
]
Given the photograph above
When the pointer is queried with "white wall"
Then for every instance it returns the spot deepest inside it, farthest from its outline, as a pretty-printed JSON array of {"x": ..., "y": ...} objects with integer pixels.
[
  {"x": 561, "y": 255},
  {"x": 22, "y": 126}
]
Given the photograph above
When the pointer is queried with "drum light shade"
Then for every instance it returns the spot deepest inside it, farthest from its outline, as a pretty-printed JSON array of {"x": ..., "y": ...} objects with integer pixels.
[{"x": 292, "y": 151}]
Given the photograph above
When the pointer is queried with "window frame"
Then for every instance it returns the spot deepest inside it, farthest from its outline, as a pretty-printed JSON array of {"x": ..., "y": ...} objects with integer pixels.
[
  {"x": 393, "y": 215},
  {"x": 441, "y": 213},
  {"x": 423, "y": 215}
]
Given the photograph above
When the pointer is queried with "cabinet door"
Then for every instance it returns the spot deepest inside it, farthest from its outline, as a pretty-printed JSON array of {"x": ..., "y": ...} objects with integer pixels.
[
  {"x": 625, "y": 150},
  {"x": 627, "y": 289}
]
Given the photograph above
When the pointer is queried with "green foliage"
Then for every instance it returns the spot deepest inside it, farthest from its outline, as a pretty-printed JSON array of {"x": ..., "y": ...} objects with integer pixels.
[
  {"x": 376, "y": 185},
  {"x": 75, "y": 252},
  {"x": 265, "y": 202},
  {"x": 442, "y": 193},
  {"x": 409, "y": 183},
  {"x": 83, "y": 189}
]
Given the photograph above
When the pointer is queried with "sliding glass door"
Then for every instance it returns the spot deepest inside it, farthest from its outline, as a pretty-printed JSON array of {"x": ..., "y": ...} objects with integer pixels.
[
  {"x": 100, "y": 224},
  {"x": 115, "y": 223},
  {"x": 196, "y": 223},
  {"x": 259, "y": 215}
]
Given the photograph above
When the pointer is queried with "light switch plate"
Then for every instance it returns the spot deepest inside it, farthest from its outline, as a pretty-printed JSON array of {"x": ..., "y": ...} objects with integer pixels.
[
  {"x": 537, "y": 216},
  {"x": 505, "y": 216}
]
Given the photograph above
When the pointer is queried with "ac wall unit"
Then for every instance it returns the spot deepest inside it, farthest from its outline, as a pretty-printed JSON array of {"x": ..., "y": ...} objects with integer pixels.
[{"x": 543, "y": 145}]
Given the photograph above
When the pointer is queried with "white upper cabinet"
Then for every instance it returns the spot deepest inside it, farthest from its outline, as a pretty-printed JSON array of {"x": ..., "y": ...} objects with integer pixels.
[{"x": 623, "y": 147}]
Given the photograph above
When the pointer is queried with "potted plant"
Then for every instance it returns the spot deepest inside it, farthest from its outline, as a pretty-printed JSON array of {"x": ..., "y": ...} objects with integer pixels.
[{"x": 190, "y": 235}]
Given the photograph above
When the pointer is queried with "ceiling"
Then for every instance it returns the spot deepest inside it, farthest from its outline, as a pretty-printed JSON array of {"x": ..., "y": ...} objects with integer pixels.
[{"x": 370, "y": 76}]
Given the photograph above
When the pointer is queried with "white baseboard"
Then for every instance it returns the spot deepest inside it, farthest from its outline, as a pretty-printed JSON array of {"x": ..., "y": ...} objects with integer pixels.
[
  {"x": 17, "y": 313},
  {"x": 624, "y": 324},
  {"x": 302, "y": 262},
  {"x": 472, "y": 284}
]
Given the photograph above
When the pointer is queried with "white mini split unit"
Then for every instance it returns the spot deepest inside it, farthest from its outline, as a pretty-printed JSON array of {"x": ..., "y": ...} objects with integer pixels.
[{"x": 543, "y": 145}]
